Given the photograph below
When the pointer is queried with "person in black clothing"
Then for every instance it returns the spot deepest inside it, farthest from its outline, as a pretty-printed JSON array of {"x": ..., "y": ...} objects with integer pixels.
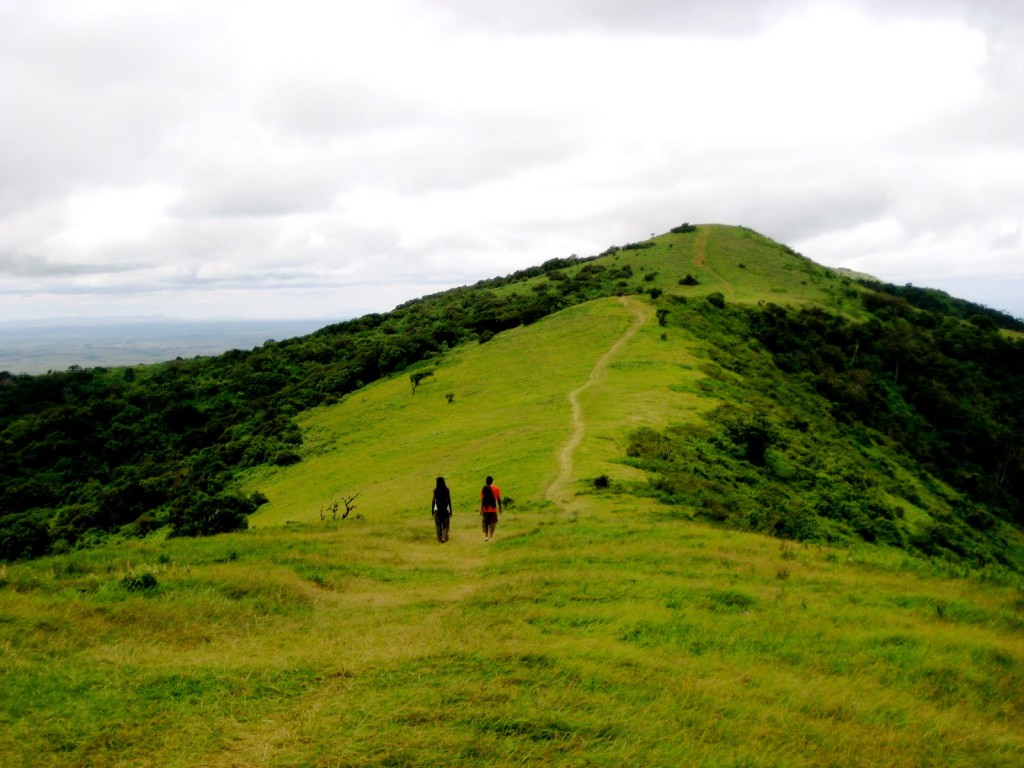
[{"x": 441, "y": 508}]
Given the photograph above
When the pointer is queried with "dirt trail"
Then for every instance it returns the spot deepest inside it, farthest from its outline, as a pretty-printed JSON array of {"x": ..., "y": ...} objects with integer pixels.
[
  {"x": 700, "y": 248},
  {"x": 700, "y": 259},
  {"x": 558, "y": 491}
]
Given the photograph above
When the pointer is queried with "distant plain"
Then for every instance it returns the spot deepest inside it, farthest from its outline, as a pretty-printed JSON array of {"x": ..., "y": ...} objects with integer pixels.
[{"x": 39, "y": 347}]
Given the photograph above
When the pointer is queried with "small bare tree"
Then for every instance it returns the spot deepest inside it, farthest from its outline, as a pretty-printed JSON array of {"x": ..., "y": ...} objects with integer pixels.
[
  {"x": 335, "y": 505},
  {"x": 349, "y": 506},
  {"x": 416, "y": 378}
]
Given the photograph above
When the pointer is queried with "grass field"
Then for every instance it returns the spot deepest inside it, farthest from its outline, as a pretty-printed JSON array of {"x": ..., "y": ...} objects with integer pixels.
[
  {"x": 611, "y": 637},
  {"x": 597, "y": 630}
]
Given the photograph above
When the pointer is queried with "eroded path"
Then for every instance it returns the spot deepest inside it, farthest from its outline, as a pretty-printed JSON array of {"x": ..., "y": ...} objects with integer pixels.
[
  {"x": 558, "y": 491},
  {"x": 700, "y": 259}
]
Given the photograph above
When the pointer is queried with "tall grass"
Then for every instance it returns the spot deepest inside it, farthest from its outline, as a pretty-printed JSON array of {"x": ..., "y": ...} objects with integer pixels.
[{"x": 611, "y": 638}]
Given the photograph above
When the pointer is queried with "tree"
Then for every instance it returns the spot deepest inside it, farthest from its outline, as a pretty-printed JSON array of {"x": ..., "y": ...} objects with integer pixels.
[{"x": 416, "y": 378}]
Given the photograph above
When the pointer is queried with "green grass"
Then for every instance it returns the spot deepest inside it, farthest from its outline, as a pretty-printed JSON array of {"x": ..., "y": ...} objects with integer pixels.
[
  {"x": 508, "y": 419},
  {"x": 742, "y": 265},
  {"x": 598, "y": 629},
  {"x": 612, "y": 638}
]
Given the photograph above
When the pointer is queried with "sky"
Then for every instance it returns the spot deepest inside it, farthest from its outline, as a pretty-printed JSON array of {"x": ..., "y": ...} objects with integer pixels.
[{"x": 217, "y": 159}]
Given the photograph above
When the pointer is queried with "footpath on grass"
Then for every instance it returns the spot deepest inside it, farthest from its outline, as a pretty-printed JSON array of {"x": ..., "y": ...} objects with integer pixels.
[
  {"x": 700, "y": 259},
  {"x": 559, "y": 490}
]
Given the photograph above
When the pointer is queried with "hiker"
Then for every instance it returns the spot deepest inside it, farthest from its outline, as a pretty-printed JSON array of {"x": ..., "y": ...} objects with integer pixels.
[
  {"x": 490, "y": 507},
  {"x": 441, "y": 508}
]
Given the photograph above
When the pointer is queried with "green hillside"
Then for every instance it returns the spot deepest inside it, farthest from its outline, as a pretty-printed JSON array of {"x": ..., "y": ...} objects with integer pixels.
[
  {"x": 647, "y": 430},
  {"x": 844, "y": 452}
]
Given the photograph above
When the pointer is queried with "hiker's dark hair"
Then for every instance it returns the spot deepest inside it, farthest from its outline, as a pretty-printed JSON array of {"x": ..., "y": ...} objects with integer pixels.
[
  {"x": 440, "y": 483},
  {"x": 489, "y": 480},
  {"x": 487, "y": 497}
]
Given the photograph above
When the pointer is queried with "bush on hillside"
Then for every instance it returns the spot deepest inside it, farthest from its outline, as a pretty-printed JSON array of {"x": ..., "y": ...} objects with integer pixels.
[
  {"x": 716, "y": 299},
  {"x": 138, "y": 582},
  {"x": 207, "y": 515},
  {"x": 23, "y": 536}
]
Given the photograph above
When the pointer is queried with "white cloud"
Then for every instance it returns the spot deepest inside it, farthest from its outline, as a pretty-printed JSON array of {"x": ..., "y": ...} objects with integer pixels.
[{"x": 235, "y": 158}]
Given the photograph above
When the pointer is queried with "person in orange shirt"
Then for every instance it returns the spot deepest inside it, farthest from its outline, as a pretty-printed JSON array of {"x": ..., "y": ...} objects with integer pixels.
[{"x": 490, "y": 507}]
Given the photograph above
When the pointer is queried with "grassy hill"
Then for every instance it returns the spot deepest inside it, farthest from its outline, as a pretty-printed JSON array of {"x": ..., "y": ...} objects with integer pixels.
[
  {"x": 618, "y": 619},
  {"x": 509, "y": 415}
]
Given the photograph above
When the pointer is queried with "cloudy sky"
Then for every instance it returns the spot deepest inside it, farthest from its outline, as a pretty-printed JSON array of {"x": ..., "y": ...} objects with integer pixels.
[{"x": 327, "y": 158}]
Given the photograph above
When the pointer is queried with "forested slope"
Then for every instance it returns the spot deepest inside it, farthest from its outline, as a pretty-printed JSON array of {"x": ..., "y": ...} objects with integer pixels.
[{"x": 904, "y": 428}]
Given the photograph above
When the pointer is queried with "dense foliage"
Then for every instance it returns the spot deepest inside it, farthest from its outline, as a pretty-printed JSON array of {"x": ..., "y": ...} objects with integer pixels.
[
  {"x": 84, "y": 452},
  {"x": 941, "y": 302},
  {"x": 814, "y": 396}
]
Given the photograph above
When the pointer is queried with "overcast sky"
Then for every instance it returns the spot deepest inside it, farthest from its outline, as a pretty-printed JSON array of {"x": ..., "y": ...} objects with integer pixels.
[{"x": 328, "y": 158}]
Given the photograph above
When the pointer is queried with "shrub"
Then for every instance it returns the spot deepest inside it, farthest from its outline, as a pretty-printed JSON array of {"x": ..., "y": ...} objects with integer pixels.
[
  {"x": 753, "y": 434},
  {"x": 716, "y": 299},
  {"x": 22, "y": 536},
  {"x": 684, "y": 228},
  {"x": 205, "y": 515},
  {"x": 286, "y": 458},
  {"x": 138, "y": 582},
  {"x": 729, "y": 601},
  {"x": 145, "y": 524}
]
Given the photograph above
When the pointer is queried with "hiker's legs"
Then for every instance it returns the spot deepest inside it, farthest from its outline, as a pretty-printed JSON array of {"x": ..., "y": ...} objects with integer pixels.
[{"x": 489, "y": 521}]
